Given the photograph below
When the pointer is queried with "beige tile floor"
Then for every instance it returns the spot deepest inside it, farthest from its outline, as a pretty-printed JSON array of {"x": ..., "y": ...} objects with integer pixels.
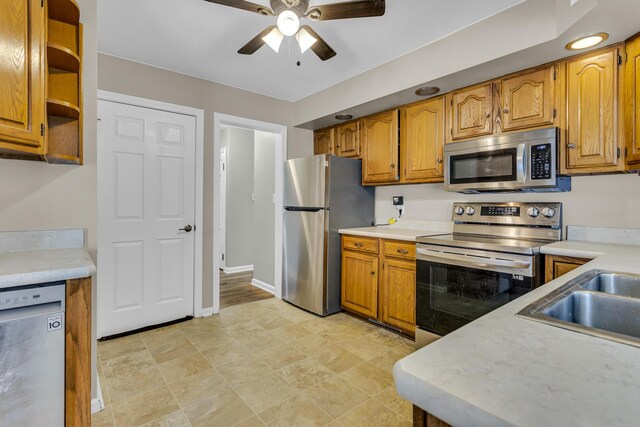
[{"x": 255, "y": 364}]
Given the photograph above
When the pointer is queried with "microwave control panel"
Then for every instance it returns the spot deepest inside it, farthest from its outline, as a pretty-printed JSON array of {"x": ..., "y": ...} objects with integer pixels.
[{"x": 541, "y": 161}]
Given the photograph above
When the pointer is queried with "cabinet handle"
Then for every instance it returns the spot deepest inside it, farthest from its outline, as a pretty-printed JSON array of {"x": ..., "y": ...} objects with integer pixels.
[
  {"x": 403, "y": 251},
  {"x": 571, "y": 146},
  {"x": 358, "y": 245},
  {"x": 392, "y": 166},
  {"x": 373, "y": 273},
  {"x": 439, "y": 160},
  {"x": 487, "y": 115},
  {"x": 506, "y": 111}
]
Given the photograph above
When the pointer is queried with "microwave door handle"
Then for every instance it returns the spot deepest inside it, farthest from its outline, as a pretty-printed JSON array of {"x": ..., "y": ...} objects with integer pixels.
[
  {"x": 521, "y": 163},
  {"x": 480, "y": 262}
]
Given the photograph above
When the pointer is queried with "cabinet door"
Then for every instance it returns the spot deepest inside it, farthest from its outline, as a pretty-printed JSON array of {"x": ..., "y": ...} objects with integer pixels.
[
  {"x": 323, "y": 141},
  {"x": 472, "y": 112},
  {"x": 632, "y": 102},
  {"x": 592, "y": 96},
  {"x": 422, "y": 141},
  {"x": 379, "y": 136},
  {"x": 22, "y": 76},
  {"x": 360, "y": 283},
  {"x": 347, "y": 140},
  {"x": 398, "y": 294},
  {"x": 528, "y": 101},
  {"x": 556, "y": 266}
]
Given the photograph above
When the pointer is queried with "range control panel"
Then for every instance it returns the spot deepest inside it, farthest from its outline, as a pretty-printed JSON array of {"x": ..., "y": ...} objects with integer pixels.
[
  {"x": 513, "y": 213},
  {"x": 541, "y": 161}
]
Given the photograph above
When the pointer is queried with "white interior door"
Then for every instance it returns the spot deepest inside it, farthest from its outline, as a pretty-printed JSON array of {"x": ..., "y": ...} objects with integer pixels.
[
  {"x": 222, "y": 228},
  {"x": 146, "y": 189}
]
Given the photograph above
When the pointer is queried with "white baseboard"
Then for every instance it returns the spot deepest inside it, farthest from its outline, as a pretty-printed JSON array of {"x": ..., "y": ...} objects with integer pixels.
[
  {"x": 264, "y": 286},
  {"x": 204, "y": 312},
  {"x": 240, "y": 269},
  {"x": 97, "y": 404}
]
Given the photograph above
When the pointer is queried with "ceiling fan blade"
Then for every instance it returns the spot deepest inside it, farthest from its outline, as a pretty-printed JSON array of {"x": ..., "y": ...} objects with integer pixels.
[
  {"x": 320, "y": 47},
  {"x": 244, "y": 5},
  {"x": 256, "y": 43},
  {"x": 347, "y": 10}
]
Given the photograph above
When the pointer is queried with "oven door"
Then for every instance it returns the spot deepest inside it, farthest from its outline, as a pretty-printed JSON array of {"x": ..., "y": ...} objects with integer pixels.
[{"x": 455, "y": 286}]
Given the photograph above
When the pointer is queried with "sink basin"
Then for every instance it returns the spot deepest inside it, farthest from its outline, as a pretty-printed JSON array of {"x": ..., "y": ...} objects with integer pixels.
[
  {"x": 597, "y": 303},
  {"x": 616, "y": 284},
  {"x": 599, "y": 311}
]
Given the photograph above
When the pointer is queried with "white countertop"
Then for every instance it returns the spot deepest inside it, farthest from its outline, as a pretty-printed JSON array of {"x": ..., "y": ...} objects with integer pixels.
[
  {"x": 41, "y": 266},
  {"x": 503, "y": 370},
  {"x": 406, "y": 230}
]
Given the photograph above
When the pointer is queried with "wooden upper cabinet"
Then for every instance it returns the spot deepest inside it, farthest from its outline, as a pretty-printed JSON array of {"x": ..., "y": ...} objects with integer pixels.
[
  {"x": 360, "y": 283},
  {"x": 472, "y": 112},
  {"x": 347, "y": 140},
  {"x": 632, "y": 102},
  {"x": 323, "y": 141},
  {"x": 398, "y": 294},
  {"x": 592, "y": 113},
  {"x": 22, "y": 76},
  {"x": 379, "y": 138},
  {"x": 422, "y": 141},
  {"x": 528, "y": 100}
]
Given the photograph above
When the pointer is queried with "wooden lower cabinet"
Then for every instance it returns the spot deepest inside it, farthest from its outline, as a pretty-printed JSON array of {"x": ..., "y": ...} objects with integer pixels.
[
  {"x": 422, "y": 418},
  {"x": 380, "y": 284},
  {"x": 556, "y": 266},
  {"x": 360, "y": 283},
  {"x": 78, "y": 353},
  {"x": 398, "y": 294}
]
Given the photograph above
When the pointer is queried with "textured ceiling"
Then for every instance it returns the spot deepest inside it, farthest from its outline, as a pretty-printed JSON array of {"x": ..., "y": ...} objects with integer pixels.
[{"x": 198, "y": 38}]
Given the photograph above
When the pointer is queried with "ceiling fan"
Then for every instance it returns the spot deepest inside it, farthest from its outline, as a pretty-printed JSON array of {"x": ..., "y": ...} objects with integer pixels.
[{"x": 289, "y": 13}]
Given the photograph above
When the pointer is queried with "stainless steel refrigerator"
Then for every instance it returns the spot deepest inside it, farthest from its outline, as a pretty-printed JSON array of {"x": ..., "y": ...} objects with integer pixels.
[{"x": 322, "y": 194}]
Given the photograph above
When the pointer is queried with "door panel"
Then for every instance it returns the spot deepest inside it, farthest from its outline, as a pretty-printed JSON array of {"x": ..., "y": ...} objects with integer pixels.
[
  {"x": 379, "y": 136},
  {"x": 422, "y": 142},
  {"x": 21, "y": 75},
  {"x": 347, "y": 140},
  {"x": 591, "y": 116},
  {"x": 323, "y": 141},
  {"x": 146, "y": 183},
  {"x": 528, "y": 100},
  {"x": 632, "y": 102},
  {"x": 398, "y": 294},
  {"x": 305, "y": 182},
  {"x": 304, "y": 258},
  {"x": 360, "y": 283},
  {"x": 472, "y": 112}
]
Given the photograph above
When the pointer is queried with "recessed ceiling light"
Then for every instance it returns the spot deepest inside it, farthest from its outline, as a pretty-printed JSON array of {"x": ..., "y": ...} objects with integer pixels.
[
  {"x": 587, "y": 41},
  {"x": 344, "y": 117},
  {"x": 427, "y": 91}
]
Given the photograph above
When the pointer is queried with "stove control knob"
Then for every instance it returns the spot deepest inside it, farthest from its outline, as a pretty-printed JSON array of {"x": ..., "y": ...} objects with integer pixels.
[
  {"x": 533, "y": 212},
  {"x": 548, "y": 212},
  {"x": 459, "y": 210},
  {"x": 470, "y": 210}
]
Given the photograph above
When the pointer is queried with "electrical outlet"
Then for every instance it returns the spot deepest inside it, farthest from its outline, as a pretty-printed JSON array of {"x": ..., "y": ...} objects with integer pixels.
[{"x": 398, "y": 201}]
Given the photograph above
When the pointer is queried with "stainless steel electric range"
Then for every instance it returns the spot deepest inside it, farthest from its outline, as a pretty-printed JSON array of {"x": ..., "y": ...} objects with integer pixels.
[{"x": 492, "y": 258}]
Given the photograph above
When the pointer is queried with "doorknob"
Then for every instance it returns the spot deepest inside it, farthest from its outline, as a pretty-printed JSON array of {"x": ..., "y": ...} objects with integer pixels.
[{"x": 186, "y": 228}]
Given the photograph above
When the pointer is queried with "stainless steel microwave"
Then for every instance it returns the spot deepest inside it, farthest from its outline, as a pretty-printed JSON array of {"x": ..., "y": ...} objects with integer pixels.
[{"x": 524, "y": 161}]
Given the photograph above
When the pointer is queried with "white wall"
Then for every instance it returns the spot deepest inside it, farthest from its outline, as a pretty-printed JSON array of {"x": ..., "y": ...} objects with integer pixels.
[
  {"x": 264, "y": 210},
  {"x": 598, "y": 201},
  {"x": 239, "y": 226}
]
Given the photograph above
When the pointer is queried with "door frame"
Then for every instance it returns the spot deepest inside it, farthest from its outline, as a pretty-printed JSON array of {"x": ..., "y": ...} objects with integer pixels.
[
  {"x": 198, "y": 114},
  {"x": 222, "y": 224},
  {"x": 280, "y": 131}
]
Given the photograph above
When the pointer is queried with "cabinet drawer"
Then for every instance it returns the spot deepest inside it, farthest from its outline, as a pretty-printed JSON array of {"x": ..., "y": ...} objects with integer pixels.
[
  {"x": 404, "y": 250},
  {"x": 361, "y": 244}
]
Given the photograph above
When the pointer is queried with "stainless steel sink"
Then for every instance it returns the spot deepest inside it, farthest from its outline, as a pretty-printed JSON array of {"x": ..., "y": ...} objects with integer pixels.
[{"x": 598, "y": 303}]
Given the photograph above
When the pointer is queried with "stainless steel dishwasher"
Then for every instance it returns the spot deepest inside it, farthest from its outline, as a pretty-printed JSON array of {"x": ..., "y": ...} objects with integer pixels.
[{"x": 32, "y": 359}]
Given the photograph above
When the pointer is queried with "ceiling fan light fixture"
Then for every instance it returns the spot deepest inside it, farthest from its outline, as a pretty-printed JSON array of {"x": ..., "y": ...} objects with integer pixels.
[
  {"x": 587, "y": 41},
  {"x": 288, "y": 22},
  {"x": 274, "y": 39},
  {"x": 305, "y": 40}
]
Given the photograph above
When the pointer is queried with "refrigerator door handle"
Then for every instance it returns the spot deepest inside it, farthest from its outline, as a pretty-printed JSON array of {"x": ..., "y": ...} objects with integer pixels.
[{"x": 298, "y": 209}]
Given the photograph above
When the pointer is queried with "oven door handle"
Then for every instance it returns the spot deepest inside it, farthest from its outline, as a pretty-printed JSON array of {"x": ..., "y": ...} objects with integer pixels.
[{"x": 480, "y": 262}]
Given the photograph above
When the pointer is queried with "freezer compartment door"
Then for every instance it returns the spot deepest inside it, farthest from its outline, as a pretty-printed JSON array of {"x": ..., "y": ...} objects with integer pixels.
[
  {"x": 304, "y": 259},
  {"x": 305, "y": 182}
]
